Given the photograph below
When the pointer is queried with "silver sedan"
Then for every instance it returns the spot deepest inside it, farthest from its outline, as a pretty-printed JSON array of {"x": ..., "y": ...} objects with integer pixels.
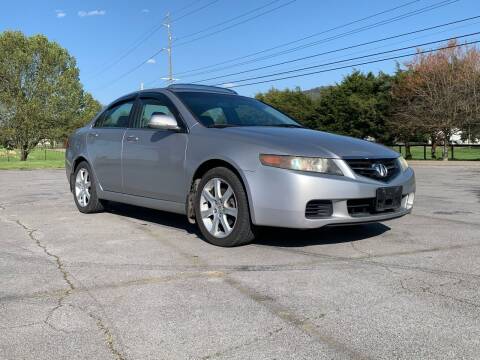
[{"x": 231, "y": 164}]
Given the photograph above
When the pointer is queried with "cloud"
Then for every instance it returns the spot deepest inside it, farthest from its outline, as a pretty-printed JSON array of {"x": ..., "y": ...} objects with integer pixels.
[
  {"x": 145, "y": 11},
  {"x": 151, "y": 61},
  {"x": 60, "y": 13},
  {"x": 83, "y": 13}
]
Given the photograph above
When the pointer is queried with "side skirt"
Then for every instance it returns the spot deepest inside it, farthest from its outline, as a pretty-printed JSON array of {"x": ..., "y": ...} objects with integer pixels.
[{"x": 163, "y": 205}]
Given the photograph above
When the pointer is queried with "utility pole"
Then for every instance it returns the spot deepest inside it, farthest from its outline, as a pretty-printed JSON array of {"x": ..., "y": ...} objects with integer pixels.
[{"x": 168, "y": 25}]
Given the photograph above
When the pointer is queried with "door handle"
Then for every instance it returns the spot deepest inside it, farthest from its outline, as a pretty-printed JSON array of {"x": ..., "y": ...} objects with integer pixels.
[
  {"x": 93, "y": 134},
  {"x": 132, "y": 138}
]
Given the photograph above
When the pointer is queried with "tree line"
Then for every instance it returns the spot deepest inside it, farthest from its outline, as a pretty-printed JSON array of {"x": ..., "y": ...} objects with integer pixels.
[
  {"x": 428, "y": 99},
  {"x": 41, "y": 97}
]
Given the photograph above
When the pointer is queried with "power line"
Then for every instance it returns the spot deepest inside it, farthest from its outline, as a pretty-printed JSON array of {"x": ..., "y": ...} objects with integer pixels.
[
  {"x": 390, "y": 45},
  {"x": 210, "y": 34},
  {"x": 143, "y": 38},
  {"x": 222, "y": 23},
  {"x": 184, "y": 7},
  {"x": 340, "y": 49},
  {"x": 236, "y": 24},
  {"x": 328, "y": 39},
  {"x": 170, "y": 77},
  {"x": 134, "y": 47},
  {"x": 229, "y": 27},
  {"x": 358, "y": 64},
  {"x": 408, "y": 14},
  {"x": 227, "y": 21},
  {"x": 195, "y": 11},
  {"x": 118, "y": 78},
  {"x": 355, "y": 58},
  {"x": 368, "y": 27},
  {"x": 301, "y": 39}
]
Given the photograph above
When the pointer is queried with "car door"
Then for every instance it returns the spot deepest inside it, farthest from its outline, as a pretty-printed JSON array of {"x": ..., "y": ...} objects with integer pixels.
[
  {"x": 153, "y": 160},
  {"x": 104, "y": 144}
]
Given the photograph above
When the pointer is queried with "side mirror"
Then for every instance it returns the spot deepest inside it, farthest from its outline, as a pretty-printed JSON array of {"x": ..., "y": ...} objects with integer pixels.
[{"x": 163, "y": 122}]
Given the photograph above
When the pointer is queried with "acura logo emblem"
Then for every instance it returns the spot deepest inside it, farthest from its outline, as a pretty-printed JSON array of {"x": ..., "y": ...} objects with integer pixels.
[{"x": 380, "y": 169}]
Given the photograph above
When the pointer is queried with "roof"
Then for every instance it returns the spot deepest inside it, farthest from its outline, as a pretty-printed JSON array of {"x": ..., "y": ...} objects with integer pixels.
[
  {"x": 180, "y": 88},
  {"x": 200, "y": 88}
]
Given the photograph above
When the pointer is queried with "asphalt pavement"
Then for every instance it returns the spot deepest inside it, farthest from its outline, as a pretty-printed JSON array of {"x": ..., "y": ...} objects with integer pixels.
[{"x": 133, "y": 283}]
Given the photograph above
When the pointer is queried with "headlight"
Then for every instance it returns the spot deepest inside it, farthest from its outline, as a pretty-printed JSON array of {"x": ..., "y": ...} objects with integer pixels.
[
  {"x": 319, "y": 165},
  {"x": 403, "y": 163}
]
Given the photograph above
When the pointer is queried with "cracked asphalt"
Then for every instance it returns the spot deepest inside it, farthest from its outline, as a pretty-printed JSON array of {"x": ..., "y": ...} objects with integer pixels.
[{"x": 133, "y": 283}]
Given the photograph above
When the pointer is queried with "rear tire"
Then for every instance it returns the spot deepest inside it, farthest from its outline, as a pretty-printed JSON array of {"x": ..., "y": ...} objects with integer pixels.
[
  {"x": 84, "y": 190},
  {"x": 221, "y": 209}
]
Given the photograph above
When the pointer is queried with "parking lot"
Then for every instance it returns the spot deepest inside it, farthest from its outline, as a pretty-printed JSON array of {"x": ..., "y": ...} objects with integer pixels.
[{"x": 132, "y": 283}]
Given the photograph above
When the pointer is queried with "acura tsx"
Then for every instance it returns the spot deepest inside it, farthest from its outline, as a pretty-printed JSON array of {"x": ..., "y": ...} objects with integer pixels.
[{"x": 231, "y": 163}]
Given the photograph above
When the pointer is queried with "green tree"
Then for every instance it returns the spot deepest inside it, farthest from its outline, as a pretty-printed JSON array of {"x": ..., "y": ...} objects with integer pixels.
[
  {"x": 294, "y": 103},
  {"x": 439, "y": 92},
  {"x": 406, "y": 121},
  {"x": 358, "y": 106},
  {"x": 40, "y": 91},
  {"x": 88, "y": 108}
]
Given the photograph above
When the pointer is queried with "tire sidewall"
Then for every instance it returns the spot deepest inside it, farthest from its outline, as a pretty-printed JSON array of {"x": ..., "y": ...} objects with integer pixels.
[
  {"x": 241, "y": 231},
  {"x": 94, "y": 201}
]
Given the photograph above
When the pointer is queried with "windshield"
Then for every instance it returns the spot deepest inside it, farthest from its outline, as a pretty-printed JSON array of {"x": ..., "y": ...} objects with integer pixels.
[{"x": 221, "y": 110}]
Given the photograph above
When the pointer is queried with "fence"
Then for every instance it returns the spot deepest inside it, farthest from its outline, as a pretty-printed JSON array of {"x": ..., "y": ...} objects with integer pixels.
[
  {"x": 419, "y": 151},
  {"x": 456, "y": 151},
  {"x": 40, "y": 153}
]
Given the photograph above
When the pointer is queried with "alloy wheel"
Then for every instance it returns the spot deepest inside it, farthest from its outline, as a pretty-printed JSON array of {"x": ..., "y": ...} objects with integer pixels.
[
  {"x": 218, "y": 207},
  {"x": 83, "y": 186}
]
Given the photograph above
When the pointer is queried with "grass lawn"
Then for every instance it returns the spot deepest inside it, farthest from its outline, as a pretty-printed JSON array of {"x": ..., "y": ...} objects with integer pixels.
[
  {"x": 37, "y": 159},
  {"x": 55, "y": 159},
  {"x": 460, "y": 153}
]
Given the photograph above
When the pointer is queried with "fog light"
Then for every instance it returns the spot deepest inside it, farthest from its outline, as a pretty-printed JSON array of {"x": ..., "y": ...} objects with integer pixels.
[{"x": 410, "y": 200}]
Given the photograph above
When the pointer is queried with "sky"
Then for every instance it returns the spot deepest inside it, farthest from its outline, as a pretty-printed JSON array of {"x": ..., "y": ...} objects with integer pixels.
[{"x": 114, "y": 41}]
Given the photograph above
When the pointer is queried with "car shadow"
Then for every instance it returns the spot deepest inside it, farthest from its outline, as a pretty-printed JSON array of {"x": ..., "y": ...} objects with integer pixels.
[
  {"x": 159, "y": 217},
  {"x": 323, "y": 236},
  {"x": 280, "y": 237}
]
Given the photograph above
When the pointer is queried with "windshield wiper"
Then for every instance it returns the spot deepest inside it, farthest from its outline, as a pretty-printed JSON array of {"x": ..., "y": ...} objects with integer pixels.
[
  {"x": 221, "y": 126},
  {"x": 286, "y": 125}
]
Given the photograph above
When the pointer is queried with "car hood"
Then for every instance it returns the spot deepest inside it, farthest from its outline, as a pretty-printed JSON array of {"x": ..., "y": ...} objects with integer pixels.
[{"x": 306, "y": 142}]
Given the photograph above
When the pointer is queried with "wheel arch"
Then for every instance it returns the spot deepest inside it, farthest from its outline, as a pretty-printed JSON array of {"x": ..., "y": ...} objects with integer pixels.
[
  {"x": 75, "y": 163},
  {"x": 80, "y": 158},
  {"x": 218, "y": 162}
]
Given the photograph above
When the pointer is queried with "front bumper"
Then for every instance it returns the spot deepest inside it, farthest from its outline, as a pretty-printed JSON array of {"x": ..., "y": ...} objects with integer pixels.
[{"x": 278, "y": 197}]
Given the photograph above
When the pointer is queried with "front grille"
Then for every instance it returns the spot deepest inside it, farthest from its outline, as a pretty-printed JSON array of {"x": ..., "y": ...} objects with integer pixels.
[
  {"x": 317, "y": 209},
  {"x": 365, "y": 167}
]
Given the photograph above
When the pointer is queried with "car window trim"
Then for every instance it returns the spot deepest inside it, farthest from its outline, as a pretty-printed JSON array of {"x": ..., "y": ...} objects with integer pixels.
[{"x": 110, "y": 107}]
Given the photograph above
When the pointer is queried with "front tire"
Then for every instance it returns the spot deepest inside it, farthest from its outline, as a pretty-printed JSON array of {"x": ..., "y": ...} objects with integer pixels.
[
  {"x": 84, "y": 190},
  {"x": 221, "y": 209}
]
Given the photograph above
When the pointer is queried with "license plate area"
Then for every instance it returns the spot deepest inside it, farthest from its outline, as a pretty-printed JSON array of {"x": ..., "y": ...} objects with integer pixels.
[{"x": 388, "y": 198}]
